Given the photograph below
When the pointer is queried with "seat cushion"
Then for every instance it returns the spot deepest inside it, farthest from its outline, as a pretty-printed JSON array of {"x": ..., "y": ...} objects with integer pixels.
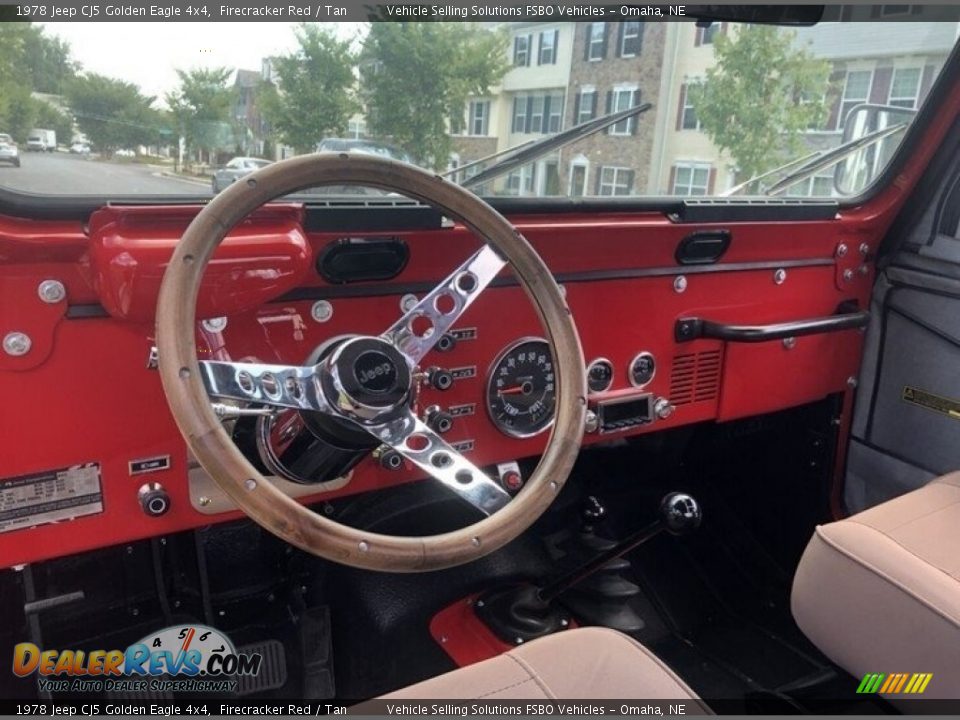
[
  {"x": 879, "y": 592},
  {"x": 583, "y": 664}
]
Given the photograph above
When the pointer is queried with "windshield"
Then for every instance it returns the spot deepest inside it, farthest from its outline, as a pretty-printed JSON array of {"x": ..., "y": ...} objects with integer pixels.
[{"x": 183, "y": 109}]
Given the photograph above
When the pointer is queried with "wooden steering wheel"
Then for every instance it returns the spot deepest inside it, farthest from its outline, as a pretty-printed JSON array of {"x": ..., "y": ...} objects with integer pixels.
[{"x": 368, "y": 380}]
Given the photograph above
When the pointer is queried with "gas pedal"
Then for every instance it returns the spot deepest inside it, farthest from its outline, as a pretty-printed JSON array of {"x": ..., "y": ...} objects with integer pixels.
[{"x": 273, "y": 668}]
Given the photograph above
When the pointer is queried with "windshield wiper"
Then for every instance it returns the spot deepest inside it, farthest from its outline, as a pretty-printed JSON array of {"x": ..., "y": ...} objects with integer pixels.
[
  {"x": 814, "y": 162},
  {"x": 527, "y": 152},
  {"x": 779, "y": 169},
  {"x": 831, "y": 157}
]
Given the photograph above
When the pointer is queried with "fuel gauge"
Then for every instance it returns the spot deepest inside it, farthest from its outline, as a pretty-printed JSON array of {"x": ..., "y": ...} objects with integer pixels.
[{"x": 599, "y": 375}]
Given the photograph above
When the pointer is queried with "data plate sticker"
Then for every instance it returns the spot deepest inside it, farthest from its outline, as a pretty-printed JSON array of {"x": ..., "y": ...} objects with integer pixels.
[{"x": 50, "y": 496}]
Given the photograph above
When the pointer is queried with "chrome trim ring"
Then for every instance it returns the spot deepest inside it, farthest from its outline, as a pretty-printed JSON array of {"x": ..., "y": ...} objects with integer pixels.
[
  {"x": 598, "y": 361},
  {"x": 648, "y": 354}
]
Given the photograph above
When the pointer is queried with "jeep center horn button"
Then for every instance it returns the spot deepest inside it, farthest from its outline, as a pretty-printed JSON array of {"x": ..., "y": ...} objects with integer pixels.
[{"x": 373, "y": 372}]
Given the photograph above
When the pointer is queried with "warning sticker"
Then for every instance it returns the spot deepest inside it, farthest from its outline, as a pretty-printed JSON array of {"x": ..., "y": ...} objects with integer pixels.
[
  {"x": 950, "y": 408},
  {"x": 50, "y": 496}
]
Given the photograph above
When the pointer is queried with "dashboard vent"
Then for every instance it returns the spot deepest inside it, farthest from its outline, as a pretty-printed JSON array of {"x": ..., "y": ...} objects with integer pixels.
[{"x": 695, "y": 377}]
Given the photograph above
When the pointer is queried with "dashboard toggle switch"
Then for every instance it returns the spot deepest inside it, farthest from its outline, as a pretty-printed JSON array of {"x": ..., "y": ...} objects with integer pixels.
[
  {"x": 439, "y": 379},
  {"x": 388, "y": 458},
  {"x": 438, "y": 420}
]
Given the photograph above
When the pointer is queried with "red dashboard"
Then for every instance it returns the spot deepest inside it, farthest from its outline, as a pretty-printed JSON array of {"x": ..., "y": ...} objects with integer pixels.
[{"x": 85, "y": 394}]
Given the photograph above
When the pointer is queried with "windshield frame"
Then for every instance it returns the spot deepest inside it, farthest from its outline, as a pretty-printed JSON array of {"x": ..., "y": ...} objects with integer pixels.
[{"x": 39, "y": 206}]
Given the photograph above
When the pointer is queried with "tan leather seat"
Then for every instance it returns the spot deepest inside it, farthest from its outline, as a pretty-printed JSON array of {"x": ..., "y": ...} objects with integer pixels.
[
  {"x": 879, "y": 592},
  {"x": 583, "y": 664}
]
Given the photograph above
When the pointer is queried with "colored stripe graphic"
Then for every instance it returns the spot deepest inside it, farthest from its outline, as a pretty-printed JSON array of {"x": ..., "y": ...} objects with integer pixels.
[{"x": 894, "y": 683}]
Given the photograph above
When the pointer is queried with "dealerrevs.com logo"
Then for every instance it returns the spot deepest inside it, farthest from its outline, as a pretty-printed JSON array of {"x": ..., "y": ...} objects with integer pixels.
[{"x": 188, "y": 658}]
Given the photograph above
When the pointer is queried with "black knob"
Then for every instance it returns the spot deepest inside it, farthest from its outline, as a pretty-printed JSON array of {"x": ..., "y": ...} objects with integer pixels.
[
  {"x": 440, "y": 421},
  {"x": 154, "y": 500},
  {"x": 680, "y": 513},
  {"x": 391, "y": 460},
  {"x": 592, "y": 511},
  {"x": 440, "y": 379},
  {"x": 446, "y": 343}
]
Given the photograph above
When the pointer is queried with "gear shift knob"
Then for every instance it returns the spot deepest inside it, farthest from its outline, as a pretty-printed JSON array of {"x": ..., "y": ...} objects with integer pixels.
[
  {"x": 592, "y": 511},
  {"x": 680, "y": 513}
]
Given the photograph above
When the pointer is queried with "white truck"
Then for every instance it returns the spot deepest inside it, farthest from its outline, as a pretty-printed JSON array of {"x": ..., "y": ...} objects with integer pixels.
[{"x": 40, "y": 140}]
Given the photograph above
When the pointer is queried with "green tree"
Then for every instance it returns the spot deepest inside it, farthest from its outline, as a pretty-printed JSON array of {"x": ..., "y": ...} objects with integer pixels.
[
  {"x": 18, "y": 111},
  {"x": 416, "y": 76},
  {"x": 201, "y": 108},
  {"x": 48, "y": 62},
  {"x": 760, "y": 96},
  {"x": 314, "y": 98},
  {"x": 112, "y": 113},
  {"x": 31, "y": 61}
]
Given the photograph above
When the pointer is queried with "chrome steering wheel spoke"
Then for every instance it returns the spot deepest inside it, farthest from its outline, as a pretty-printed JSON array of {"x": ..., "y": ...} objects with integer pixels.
[
  {"x": 284, "y": 386},
  {"x": 444, "y": 305},
  {"x": 411, "y": 437}
]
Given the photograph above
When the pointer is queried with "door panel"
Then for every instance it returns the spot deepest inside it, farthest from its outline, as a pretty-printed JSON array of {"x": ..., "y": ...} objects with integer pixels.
[{"x": 907, "y": 423}]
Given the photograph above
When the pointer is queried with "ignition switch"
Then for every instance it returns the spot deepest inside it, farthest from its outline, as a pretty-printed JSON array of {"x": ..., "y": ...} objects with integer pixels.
[{"x": 154, "y": 499}]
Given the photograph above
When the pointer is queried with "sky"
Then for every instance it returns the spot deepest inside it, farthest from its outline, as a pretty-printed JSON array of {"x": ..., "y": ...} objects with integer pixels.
[{"x": 148, "y": 53}]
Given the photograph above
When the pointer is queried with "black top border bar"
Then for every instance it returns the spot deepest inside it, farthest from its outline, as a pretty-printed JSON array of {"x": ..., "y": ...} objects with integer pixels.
[{"x": 457, "y": 11}]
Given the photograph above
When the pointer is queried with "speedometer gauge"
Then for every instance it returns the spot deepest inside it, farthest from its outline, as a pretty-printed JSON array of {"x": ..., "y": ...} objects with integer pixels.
[{"x": 521, "y": 391}]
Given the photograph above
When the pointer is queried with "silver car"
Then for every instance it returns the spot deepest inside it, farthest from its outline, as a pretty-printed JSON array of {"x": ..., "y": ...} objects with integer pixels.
[
  {"x": 9, "y": 153},
  {"x": 233, "y": 170}
]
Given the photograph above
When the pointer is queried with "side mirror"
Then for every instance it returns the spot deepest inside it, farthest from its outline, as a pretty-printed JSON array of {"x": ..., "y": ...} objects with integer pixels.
[{"x": 874, "y": 132}]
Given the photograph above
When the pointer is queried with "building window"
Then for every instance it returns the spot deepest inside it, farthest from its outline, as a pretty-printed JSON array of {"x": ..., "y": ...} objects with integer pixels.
[
  {"x": 615, "y": 181},
  {"x": 622, "y": 99},
  {"x": 548, "y": 47},
  {"x": 631, "y": 39},
  {"x": 578, "y": 177},
  {"x": 521, "y": 50},
  {"x": 537, "y": 114},
  {"x": 596, "y": 41},
  {"x": 554, "y": 112},
  {"x": 521, "y": 182},
  {"x": 586, "y": 106},
  {"x": 817, "y": 186},
  {"x": 706, "y": 35},
  {"x": 856, "y": 90},
  {"x": 688, "y": 119},
  {"x": 479, "y": 114},
  {"x": 550, "y": 176},
  {"x": 691, "y": 179},
  {"x": 519, "y": 114},
  {"x": 905, "y": 87}
]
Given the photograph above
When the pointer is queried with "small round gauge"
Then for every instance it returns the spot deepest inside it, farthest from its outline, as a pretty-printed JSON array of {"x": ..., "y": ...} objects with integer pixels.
[
  {"x": 599, "y": 375},
  {"x": 521, "y": 394},
  {"x": 642, "y": 369}
]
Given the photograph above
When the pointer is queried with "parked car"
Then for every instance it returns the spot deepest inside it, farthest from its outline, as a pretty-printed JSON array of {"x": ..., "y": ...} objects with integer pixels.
[
  {"x": 80, "y": 148},
  {"x": 9, "y": 153},
  {"x": 237, "y": 168},
  {"x": 125, "y": 153},
  {"x": 41, "y": 140},
  {"x": 361, "y": 145}
]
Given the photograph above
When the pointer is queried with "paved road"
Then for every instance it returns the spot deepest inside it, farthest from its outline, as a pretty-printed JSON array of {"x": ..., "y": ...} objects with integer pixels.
[{"x": 60, "y": 173}]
